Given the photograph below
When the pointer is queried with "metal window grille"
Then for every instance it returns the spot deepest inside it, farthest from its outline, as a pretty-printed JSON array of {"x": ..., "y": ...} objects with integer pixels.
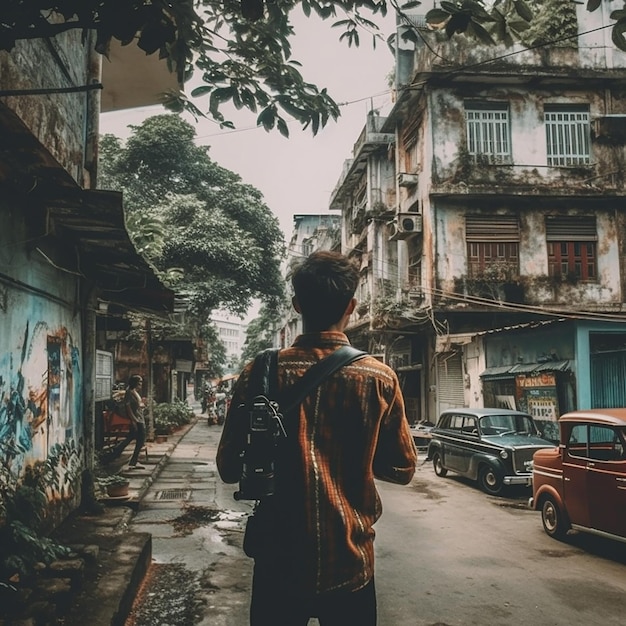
[
  {"x": 488, "y": 134},
  {"x": 567, "y": 137}
]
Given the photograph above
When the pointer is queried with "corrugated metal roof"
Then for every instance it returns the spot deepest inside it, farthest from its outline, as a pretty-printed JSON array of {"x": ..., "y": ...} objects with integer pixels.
[{"x": 508, "y": 371}]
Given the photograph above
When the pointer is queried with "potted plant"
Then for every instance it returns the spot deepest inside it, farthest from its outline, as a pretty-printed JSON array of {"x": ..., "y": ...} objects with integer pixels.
[{"x": 115, "y": 485}]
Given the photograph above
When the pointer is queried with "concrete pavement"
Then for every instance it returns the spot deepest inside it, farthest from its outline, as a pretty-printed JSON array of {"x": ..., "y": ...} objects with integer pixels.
[
  {"x": 124, "y": 554},
  {"x": 197, "y": 530}
]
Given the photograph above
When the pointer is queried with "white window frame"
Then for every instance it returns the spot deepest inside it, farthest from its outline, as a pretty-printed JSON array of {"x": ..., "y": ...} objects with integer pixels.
[
  {"x": 104, "y": 375},
  {"x": 568, "y": 140},
  {"x": 488, "y": 131}
]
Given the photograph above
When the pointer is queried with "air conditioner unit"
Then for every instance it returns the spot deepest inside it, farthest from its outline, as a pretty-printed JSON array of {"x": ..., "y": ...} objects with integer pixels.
[
  {"x": 405, "y": 225},
  {"x": 407, "y": 180},
  {"x": 611, "y": 128}
]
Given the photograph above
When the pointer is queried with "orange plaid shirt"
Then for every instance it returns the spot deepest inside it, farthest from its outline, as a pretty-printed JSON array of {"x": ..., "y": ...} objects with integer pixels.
[{"x": 351, "y": 429}]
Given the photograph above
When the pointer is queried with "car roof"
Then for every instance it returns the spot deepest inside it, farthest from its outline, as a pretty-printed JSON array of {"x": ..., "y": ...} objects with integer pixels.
[
  {"x": 480, "y": 412},
  {"x": 614, "y": 417}
]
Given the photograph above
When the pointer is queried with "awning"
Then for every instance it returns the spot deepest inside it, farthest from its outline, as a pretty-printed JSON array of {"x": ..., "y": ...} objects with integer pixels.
[
  {"x": 93, "y": 221},
  {"x": 510, "y": 371},
  {"x": 90, "y": 222}
]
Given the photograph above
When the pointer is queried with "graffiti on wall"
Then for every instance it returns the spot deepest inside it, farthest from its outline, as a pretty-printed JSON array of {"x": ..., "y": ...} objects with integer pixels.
[{"x": 40, "y": 395}]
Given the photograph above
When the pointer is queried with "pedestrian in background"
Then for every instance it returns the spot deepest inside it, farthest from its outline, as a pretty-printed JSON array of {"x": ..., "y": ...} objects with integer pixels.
[
  {"x": 134, "y": 410},
  {"x": 318, "y": 559}
]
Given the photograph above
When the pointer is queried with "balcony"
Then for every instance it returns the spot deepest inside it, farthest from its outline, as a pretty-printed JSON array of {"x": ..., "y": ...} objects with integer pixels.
[
  {"x": 370, "y": 140},
  {"x": 371, "y": 137}
]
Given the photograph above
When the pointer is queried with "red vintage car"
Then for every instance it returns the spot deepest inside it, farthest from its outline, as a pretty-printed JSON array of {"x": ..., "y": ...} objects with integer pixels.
[{"x": 581, "y": 484}]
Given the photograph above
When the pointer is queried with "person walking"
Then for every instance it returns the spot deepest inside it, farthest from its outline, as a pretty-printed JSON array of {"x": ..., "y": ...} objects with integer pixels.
[
  {"x": 134, "y": 409},
  {"x": 317, "y": 558}
]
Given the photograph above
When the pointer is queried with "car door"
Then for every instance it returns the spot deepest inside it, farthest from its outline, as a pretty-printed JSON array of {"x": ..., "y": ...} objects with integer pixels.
[
  {"x": 606, "y": 478},
  {"x": 575, "y": 473},
  {"x": 453, "y": 449},
  {"x": 468, "y": 443}
]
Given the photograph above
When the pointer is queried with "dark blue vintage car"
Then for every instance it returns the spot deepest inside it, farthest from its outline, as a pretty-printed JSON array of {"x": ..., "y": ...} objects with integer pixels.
[{"x": 492, "y": 446}]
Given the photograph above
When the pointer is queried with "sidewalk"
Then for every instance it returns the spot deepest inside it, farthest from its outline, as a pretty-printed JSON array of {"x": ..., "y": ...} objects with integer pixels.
[{"x": 98, "y": 584}]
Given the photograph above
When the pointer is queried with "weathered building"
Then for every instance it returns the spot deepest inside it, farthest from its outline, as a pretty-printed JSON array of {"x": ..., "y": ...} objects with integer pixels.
[
  {"x": 66, "y": 257},
  {"x": 509, "y": 220},
  {"x": 310, "y": 232}
]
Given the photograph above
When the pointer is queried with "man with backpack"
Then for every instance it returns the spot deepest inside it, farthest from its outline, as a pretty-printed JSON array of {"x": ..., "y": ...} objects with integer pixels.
[{"x": 314, "y": 555}]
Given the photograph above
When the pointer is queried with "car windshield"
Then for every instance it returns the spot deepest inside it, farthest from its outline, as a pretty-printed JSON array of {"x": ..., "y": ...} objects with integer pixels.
[{"x": 505, "y": 424}]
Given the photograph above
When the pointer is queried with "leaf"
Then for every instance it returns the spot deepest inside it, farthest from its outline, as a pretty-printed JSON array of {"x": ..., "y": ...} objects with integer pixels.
[
  {"x": 617, "y": 34},
  {"x": 409, "y": 35},
  {"x": 519, "y": 26},
  {"x": 283, "y": 129},
  {"x": 480, "y": 33},
  {"x": 267, "y": 118},
  {"x": 450, "y": 7},
  {"x": 410, "y": 5},
  {"x": 342, "y": 23},
  {"x": 200, "y": 91},
  {"x": 218, "y": 96},
  {"x": 436, "y": 17},
  {"x": 523, "y": 10},
  {"x": 458, "y": 24},
  {"x": 592, "y": 5}
]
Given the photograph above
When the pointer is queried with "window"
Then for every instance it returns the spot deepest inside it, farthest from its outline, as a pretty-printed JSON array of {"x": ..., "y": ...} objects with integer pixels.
[
  {"x": 597, "y": 442},
  {"x": 572, "y": 247},
  {"x": 410, "y": 155},
  {"x": 567, "y": 134},
  {"x": 492, "y": 244},
  {"x": 104, "y": 375},
  {"x": 488, "y": 133}
]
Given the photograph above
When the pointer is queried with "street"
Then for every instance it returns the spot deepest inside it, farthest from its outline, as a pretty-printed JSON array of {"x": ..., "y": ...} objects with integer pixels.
[{"x": 446, "y": 554}]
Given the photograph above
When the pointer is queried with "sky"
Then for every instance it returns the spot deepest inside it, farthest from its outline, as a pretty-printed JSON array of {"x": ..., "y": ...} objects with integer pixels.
[{"x": 298, "y": 174}]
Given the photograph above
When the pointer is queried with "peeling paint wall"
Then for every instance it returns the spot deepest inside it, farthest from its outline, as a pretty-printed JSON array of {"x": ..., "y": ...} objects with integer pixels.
[
  {"x": 40, "y": 349},
  {"x": 451, "y": 256}
]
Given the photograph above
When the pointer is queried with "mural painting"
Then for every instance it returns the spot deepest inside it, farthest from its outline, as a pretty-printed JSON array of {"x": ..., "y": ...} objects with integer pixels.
[{"x": 40, "y": 396}]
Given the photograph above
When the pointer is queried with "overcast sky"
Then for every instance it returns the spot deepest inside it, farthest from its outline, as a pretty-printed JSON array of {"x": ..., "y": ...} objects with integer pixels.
[{"x": 297, "y": 175}]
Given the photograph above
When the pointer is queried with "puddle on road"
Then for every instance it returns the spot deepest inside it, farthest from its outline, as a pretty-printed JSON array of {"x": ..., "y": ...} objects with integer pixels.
[{"x": 194, "y": 517}]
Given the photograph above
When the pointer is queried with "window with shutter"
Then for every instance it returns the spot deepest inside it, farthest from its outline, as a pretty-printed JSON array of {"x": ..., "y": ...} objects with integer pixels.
[
  {"x": 492, "y": 239},
  {"x": 572, "y": 247}
]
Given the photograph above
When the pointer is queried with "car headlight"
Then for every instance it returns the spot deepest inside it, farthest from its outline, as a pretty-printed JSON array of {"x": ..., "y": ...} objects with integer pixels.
[{"x": 504, "y": 454}]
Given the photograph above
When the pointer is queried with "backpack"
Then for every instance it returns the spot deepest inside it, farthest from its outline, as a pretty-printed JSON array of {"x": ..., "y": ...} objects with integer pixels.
[{"x": 266, "y": 429}]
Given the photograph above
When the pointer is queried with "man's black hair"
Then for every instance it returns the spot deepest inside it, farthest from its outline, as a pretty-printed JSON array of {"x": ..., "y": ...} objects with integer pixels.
[{"x": 324, "y": 283}]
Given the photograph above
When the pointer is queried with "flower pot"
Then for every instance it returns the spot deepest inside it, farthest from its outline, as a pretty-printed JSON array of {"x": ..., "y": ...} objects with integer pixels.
[
  {"x": 161, "y": 438},
  {"x": 117, "y": 491}
]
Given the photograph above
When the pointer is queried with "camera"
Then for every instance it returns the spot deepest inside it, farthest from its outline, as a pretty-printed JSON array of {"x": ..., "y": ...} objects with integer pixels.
[{"x": 265, "y": 429}]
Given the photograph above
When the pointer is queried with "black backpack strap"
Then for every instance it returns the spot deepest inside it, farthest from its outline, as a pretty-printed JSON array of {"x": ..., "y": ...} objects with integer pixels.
[
  {"x": 264, "y": 372},
  {"x": 316, "y": 374}
]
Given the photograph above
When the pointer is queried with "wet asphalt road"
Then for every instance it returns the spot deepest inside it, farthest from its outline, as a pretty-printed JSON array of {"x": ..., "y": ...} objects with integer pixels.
[{"x": 447, "y": 554}]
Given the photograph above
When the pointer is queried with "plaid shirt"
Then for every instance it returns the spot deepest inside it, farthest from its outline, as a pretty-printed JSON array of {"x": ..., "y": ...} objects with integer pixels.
[{"x": 351, "y": 429}]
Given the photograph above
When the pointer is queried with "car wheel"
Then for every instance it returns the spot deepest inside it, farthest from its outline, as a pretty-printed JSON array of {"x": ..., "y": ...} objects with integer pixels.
[
  {"x": 440, "y": 470},
  {"x": 489, "y": 481},
  {"x": 553, "y": 519}
]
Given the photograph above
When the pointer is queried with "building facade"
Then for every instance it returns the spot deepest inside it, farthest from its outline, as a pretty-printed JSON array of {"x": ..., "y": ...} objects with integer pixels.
[
  {"x": 67, "y": 261},
  {"x": 502, "y": 234}
]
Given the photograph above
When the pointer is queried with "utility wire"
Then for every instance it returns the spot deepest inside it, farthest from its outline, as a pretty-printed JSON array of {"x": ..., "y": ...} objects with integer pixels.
[
  {"x": 412, "y": 86},
  {"x": 597, "y": 316}
]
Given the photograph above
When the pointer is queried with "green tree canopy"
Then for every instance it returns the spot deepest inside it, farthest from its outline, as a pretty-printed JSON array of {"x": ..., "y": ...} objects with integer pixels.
[
  {"x": 261, "y": 333},
  {"x": 210, "y": 235},
  {"x": 242, "y": 49}
]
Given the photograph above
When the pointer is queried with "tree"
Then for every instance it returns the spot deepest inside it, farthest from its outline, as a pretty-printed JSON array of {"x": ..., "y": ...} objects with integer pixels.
[
  {"x": 215, "y": 348},
  {"x": 260, "y": 333},
  {"x": 209, "y": 235},
  {"x": 241, "y": 48}
]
